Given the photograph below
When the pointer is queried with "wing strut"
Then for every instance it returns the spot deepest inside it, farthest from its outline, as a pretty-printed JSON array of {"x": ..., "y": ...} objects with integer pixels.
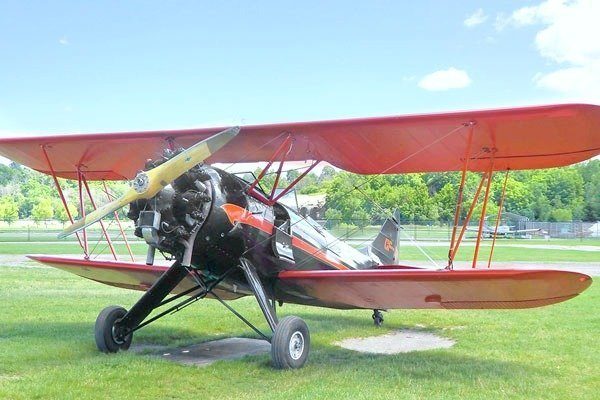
[
  {"x": 486, "y": 175},
  {"x": 59, "y": 190},
  {"x": 110, "y": 198},
  {"x": 500, "y": 205},
  {"x": 486, "y": 197},
  {"x": 460, "y": 191},
  {"x": 282, "y": 152},
  {"x": 104, "y": 230}
]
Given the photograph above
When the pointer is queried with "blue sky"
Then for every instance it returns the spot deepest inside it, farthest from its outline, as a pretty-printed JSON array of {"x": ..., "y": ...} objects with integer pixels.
[{"x": 138, "y": 65}]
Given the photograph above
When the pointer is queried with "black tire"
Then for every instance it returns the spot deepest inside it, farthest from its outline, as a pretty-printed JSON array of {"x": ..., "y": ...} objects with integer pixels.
[
  {"x": 290, "y": 343},
  {"x": 105, "y": 338},
  {"x": 377, "y": 318}
]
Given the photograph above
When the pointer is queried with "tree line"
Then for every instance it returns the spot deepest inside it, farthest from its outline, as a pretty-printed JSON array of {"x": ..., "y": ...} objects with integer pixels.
[{"x": 557, "y": 194}]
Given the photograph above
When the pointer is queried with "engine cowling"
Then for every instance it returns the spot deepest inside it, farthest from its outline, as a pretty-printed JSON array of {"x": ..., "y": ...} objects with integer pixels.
[{"x": 187, "y": 209}]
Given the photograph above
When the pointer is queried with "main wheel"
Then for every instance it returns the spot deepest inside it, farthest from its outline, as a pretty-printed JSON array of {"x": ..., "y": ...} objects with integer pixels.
[
  {"x": 106, "y": 339},
  {"x": 290, "y": 343}
]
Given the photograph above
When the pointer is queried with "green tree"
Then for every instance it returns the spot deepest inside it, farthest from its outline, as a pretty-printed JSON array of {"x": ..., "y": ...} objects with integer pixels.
[
  {"x": 333, "y": 217},
  {"x": 327, "y": 174},
  {"x": 344, "y": 197},
  {"x": 9, "y": 210},
  {"x": 360, "y": 218},
  {"x": 445, "y": 200},
  {"x": 291, "y": 175},
  {"x": 42, "y": 210},
  {"x": 61, "y": 214},
  {"x": 560, "y": 215},
  {"x": 590, "y": 173}
]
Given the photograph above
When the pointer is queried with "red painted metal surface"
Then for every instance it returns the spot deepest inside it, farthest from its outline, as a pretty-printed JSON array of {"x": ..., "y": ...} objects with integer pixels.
[
  {"x": 120, "y": 274},
  {"x": 420, "y": 288},
  {"x": 386, "y": 288},
  {"x": 523, "y": 138}
]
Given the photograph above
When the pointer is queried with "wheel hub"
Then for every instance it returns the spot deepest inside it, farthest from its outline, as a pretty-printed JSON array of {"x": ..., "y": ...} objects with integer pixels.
[
  {"x": 296, "y": 345},
  {"x": 117, "y": 335}
]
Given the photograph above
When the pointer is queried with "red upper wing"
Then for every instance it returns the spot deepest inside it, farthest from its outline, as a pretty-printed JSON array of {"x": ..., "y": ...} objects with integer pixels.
[{"x": 518, "y": 138}]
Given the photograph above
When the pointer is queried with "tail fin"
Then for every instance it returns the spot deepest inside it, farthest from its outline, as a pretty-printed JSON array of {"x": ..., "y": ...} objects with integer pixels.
[{"x": 385, "y": 245}]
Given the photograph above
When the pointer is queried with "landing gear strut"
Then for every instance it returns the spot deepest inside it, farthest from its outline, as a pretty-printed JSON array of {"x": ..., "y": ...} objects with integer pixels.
[
  {"x": 290, "y": 342},
  {"x": 115, "y": 326},
  {"x": 377, "y": 318}
]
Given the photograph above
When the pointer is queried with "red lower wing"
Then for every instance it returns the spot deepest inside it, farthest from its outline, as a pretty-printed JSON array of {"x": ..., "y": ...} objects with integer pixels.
[
  {"x": 387, "y": 288},
  {"x": 383, "y": 288},
  {"x": 121, "y": 274}
]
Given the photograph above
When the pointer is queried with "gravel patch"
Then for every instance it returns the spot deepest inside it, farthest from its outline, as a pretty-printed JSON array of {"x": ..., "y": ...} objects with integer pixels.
[{"x": 402, "y": 341}]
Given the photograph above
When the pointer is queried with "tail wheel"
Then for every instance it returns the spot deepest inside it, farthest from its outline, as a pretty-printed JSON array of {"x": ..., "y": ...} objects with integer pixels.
[
  {"x": 107, "y": 339},
  {"x": 377, "y": 318},
  {"x": 290, "y": 343}
]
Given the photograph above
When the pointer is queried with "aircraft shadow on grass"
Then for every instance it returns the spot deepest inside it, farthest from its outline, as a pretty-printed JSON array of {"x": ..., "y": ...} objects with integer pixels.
[{"x": 430, "y": 365}]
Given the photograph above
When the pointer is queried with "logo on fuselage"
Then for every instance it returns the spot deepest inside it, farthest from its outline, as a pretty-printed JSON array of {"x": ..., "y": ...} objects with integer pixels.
[{"x": 388, "y": 245}]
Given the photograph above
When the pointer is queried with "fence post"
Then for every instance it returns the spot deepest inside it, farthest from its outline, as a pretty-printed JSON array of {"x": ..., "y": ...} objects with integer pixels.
[{"x": 415, "y": 230}]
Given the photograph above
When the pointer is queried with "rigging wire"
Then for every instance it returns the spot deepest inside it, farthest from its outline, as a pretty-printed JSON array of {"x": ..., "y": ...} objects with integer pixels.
[{"x": 357, "y": 187}]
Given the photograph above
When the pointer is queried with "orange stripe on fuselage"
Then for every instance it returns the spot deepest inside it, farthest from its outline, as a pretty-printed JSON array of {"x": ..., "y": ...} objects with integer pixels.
[
  {"x": 239, "y": 214},
  {"x": 236, "y": 213}
]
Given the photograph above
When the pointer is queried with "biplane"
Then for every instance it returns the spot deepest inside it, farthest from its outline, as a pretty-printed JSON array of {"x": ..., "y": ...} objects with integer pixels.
[{"x": 228, "y": 237}]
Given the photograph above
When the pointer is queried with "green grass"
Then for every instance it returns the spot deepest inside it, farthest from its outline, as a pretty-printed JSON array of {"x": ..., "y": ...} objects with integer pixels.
[
  {"x": 47, "y": 350},
  {"x": 465, "y": 253},
  {"x": 67, "y": 248},
  {"x": 407, "y": 253}
]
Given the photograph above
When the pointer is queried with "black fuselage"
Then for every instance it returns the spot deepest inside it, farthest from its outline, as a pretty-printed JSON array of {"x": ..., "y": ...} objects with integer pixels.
[{"x": 273, "y": 237}]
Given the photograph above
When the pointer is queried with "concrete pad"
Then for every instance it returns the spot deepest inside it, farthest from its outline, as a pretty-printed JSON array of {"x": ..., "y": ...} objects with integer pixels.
[
  {"x": 208, "y": 352},
  {"x": 402, "y": 341}
]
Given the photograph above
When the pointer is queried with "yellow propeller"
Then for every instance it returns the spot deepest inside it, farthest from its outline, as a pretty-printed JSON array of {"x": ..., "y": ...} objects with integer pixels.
[{"x": 148, "y": 183}]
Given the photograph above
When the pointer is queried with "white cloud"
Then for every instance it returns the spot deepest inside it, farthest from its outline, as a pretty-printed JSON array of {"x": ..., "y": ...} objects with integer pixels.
[
  {"x": 477, "y": 18},
  {"x": 569, "y": 36},
  {"x": 446, "y": 79},
  {"x": 64, "y": 41},
  {"x": 579, "y": 81}
]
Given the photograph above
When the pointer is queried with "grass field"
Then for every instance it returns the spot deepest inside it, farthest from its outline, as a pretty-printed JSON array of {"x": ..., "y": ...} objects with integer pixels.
[
  {"x": 47, "y": 350},
  {"x": 505, "y": 250}
]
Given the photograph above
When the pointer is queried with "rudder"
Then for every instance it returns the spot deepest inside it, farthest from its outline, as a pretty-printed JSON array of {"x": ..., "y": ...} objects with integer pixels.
[{"x": 385, "y": 245}]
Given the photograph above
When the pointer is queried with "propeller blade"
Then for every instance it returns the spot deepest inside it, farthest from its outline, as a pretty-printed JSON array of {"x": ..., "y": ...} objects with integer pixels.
[
  {"x": 99, "y": 213},
  {"x": 165, "y": 173},
  {"x": 147, "y": 184}
]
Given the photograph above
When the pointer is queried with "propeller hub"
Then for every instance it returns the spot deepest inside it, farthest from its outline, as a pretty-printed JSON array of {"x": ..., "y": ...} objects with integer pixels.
[{"x": 140, "y": 183}]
